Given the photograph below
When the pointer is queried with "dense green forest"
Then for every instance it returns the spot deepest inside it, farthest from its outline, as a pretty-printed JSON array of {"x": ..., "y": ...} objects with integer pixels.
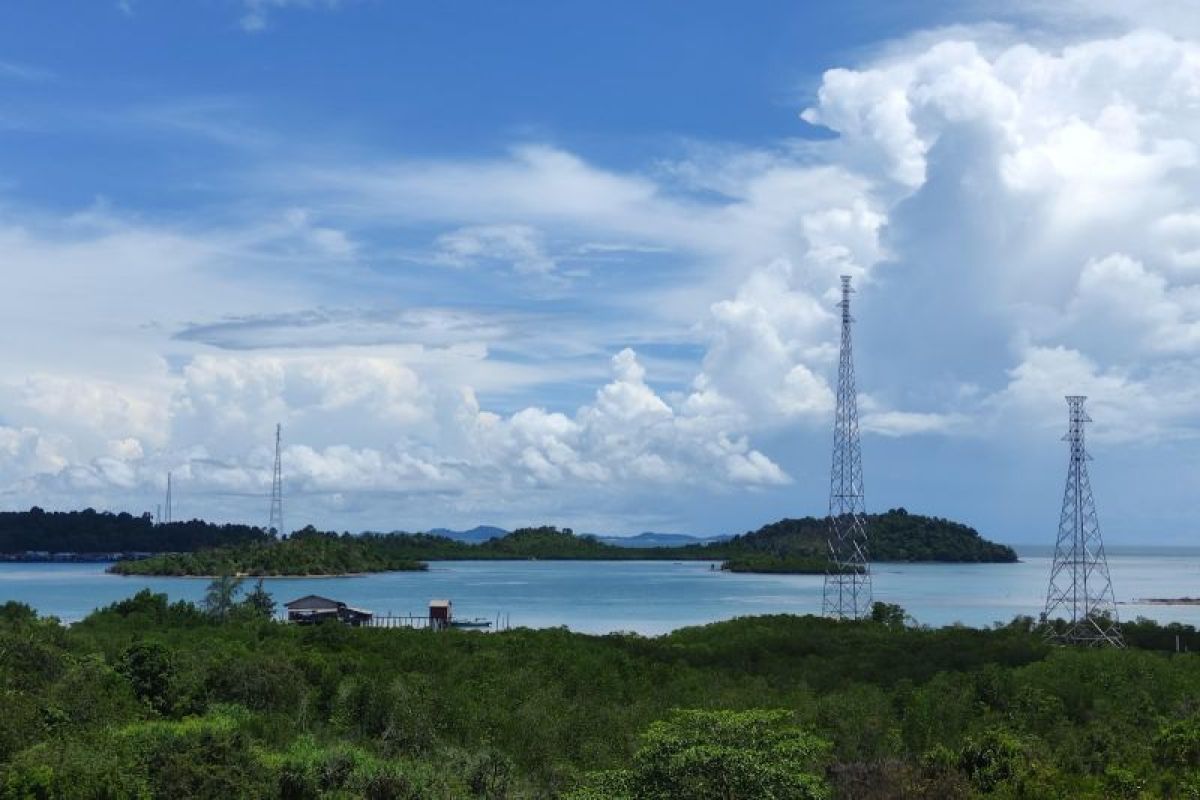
[
  {"x": 152, "y": 699},
  {"x": 305, "y": 552},
  {"x": 786, "y": 546},
  {"x": 892, "y": 536},
  {"x": 90, "y": 531},
  {"x": 769, "y": 563},
  {"x": 312, "y": 552}
]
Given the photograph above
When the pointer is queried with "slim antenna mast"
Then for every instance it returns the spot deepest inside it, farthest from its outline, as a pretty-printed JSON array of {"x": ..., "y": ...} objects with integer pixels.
[
  {"x": 1080, "y": 590},
  {"x": 275, "y": 526},
  {"x": 848, "y": 575},
  {"x": 167, "y": 518}
]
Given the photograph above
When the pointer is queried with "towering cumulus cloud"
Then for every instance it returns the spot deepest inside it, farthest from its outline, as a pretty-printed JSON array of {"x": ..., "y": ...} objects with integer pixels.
[
  {"x": 1060, "y": 182},
  {"x": 529, "y": 333}
]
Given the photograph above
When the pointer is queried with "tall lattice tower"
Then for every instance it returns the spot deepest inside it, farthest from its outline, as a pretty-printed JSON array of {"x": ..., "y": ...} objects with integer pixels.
[
  {"x": 848, "y": 577},
  {"x": 1080, "y": 590},
  {"x": 276, "y": 523},
  {"x": 168, "y": 515}
]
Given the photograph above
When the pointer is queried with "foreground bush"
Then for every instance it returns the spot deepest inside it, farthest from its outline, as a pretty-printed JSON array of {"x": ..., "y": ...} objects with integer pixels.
[{"x": 149, "y": 699}]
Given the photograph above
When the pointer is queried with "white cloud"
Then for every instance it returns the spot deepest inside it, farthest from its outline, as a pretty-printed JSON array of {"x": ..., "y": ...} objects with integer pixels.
[
  {"x": 906, "y": 423},
  {"x": 1094, "y": 17},
  {"x": 519, "y": 246},
  {"x": 1126, "y": 408},
  {"x": 103, "y": 408},
  {"x": 371, "y": 425},
  {"x": 764, "y": 344},
  {"x": 256, "y": 12},
  {"x": 819, "y": 214},
  {"x": 1053, "y": 190},
  {"x": 1178, "y": 235},
  {"x": 1127, "y": 311},
  {"x": 1020, "y": 219}
]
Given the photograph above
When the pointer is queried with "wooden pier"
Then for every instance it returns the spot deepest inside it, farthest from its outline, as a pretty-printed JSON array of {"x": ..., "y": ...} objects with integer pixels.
[
  {"x": 311, "y": 609},
  {"x": 405, "y": 621}
]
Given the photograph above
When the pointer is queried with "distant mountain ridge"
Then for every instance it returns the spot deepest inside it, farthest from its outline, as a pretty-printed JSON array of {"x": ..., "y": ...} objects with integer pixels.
[
  {"x": 654, "y": 539},
  {"x": 485, "y": 533},
  {"x": 476, "y": 535}
]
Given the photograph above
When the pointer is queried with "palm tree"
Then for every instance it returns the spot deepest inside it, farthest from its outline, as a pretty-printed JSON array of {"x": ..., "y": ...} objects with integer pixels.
[
  {"x": 221, "y": 595},
  {"x": 259, "y": 601}
]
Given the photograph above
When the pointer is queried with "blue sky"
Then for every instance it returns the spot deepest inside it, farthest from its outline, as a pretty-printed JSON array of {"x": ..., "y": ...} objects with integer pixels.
[{"x": 571, "y": 263}]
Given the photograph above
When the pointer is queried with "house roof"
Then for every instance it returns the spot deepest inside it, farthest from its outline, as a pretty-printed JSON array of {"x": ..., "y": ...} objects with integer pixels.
[
  {"x": 313, "y": 601},
  {"x": 439, "y": 603}
]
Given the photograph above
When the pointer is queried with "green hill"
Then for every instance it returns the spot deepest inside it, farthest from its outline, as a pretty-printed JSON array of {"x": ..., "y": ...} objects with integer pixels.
[{"x": 892, "y": 536}]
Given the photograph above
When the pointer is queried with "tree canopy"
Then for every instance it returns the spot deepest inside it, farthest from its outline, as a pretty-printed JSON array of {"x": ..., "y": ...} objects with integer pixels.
[
  {"x": 90, "y": 531},
  {"x": 149, "y": 698},
  {"x": 791, "y": 545}
]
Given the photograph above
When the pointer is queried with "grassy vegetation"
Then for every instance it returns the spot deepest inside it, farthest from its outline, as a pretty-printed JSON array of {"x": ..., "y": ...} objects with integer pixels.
[
  {"x": 791, "y": 545},
  {"x": 152, "y": 699}
]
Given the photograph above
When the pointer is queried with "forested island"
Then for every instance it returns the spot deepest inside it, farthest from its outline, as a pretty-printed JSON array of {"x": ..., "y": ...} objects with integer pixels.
[
  {"x": 313, "y": 552},
  {"x": 196, "y": 547},
  {"x": 791, "y": 546},
  {"x": 305, "y": 552},
  {"x": 800, "y": 545},
  {"x": 148, "y": 698},
  {"x": 89, "y": 532}
]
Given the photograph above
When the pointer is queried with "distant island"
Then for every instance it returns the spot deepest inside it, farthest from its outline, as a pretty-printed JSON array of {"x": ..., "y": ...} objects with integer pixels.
[
  {"x": 795, "y": 546},
  {"x": 799, "y": 545},
  {"x": 38, "y": 535},
  {"x": 306, "y": 552},
  {"x": 1168, "y": 601},
  {"x": 313, "y": 552}
]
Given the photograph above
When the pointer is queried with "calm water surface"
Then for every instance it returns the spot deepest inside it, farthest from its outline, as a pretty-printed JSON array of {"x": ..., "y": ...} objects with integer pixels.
[{"x": 648, "y": 597}]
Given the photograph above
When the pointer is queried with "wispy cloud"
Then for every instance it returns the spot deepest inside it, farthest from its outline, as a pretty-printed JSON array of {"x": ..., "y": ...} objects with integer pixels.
[
  {"x": 24, "y": 72},
  {"x": 256, "y": 12}
]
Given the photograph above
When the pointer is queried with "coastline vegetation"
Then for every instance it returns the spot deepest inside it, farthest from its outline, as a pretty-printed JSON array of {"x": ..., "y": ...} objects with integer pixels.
[
  {"x": 148, "y": 698},
  {"x": 788, "y": 546},
  {"x": 94, "y": 532},
  {"x": 895, "y": 535},
  {"x": 766, "y": 563},
  {"x": 305, "y": 552}
]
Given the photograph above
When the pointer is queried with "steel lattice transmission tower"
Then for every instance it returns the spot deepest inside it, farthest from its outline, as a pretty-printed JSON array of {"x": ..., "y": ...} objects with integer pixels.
[
  {"x": 848, "y": 577},
  {"x": 168, "y": 517},
  {"x": 276, "y": 524},
  {"x": 1080, "y": 590}
]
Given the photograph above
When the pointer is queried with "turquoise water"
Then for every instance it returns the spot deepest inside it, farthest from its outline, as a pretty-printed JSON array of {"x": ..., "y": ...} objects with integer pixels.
[{"x": 648, "y": 597}]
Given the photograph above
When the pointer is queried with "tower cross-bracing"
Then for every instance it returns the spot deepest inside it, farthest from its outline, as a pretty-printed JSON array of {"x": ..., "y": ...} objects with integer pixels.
[
  {"x": 848, "y": 576},
  {"x": 1080, "y": 593},
  {"x": 276, "y": 524}
]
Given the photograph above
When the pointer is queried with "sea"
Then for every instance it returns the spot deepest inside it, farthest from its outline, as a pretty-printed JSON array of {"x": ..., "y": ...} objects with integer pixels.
[{"x": 650, "y": 597}]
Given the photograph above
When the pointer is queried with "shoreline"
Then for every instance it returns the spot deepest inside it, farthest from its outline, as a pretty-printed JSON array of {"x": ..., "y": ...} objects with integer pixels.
[
  {"x": 245, "y": 575},
  {"x": 1164, "y": 601}
]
